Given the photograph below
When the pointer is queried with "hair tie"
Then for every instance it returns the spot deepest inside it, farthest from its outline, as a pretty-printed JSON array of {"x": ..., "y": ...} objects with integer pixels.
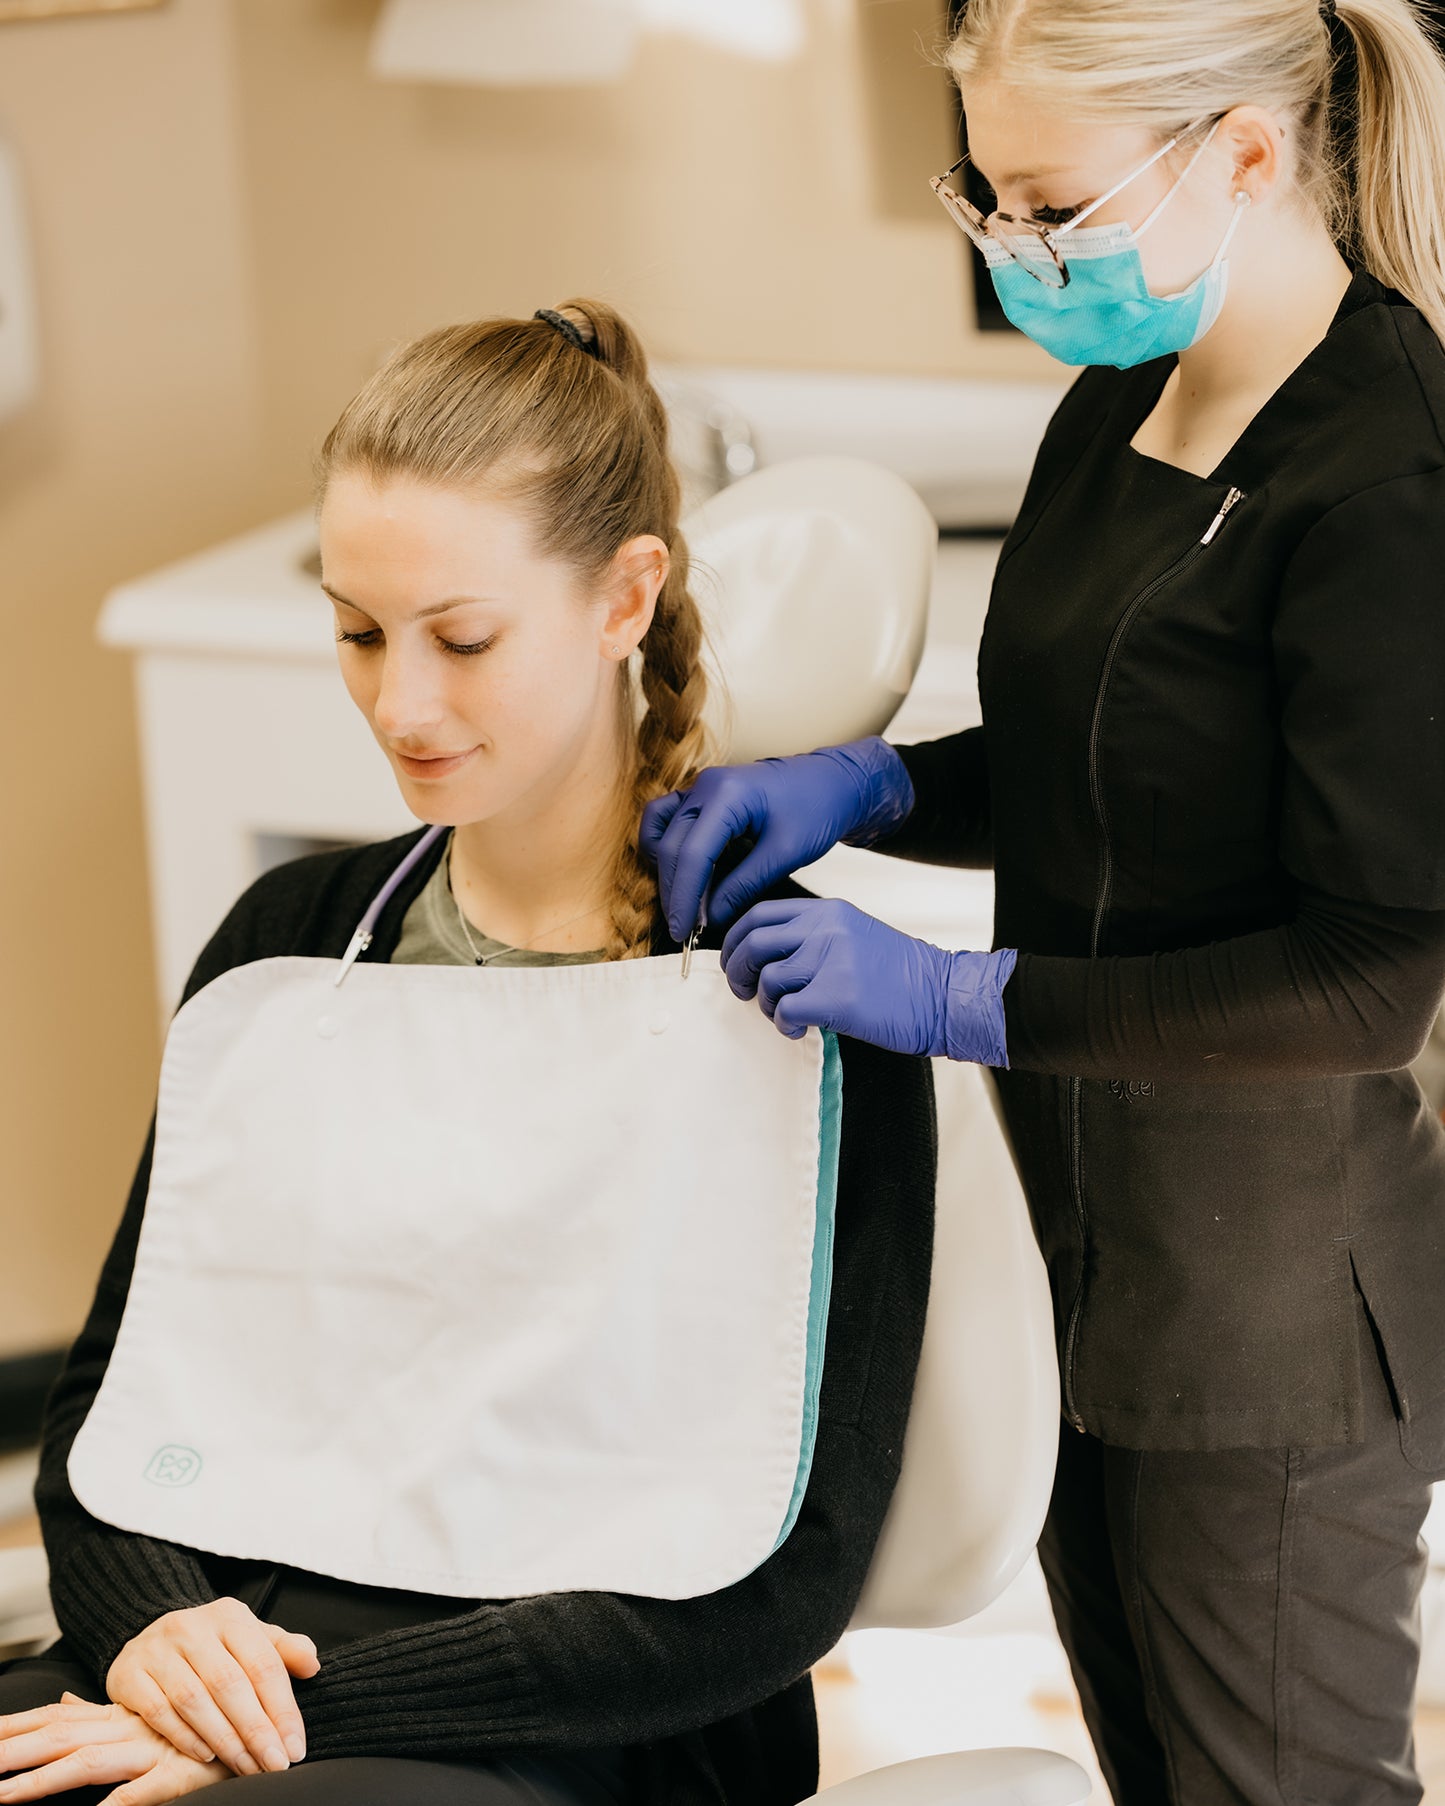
[{"x": 568, "y": 329}]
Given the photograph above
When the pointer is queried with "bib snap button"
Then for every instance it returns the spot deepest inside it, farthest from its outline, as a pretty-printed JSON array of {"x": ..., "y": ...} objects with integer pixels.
[
  {"x": 659, "y": 1025},
  {"x": 327, "y": 1027}
]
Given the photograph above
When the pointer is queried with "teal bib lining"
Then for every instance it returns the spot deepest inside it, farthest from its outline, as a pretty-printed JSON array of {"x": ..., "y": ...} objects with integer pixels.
[{"x": 830, "y": 1129}]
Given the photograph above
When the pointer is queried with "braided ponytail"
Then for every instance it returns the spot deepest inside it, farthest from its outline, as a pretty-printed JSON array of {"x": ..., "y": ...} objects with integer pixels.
[
  {"x": 670, "y": 739},
  {"x": 558, "y": 412}
]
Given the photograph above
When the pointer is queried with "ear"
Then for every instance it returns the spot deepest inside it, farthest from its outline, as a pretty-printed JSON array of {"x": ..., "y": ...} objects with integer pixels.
[
  {"x": 634, "y": 583},
  {"x": 1252, "y": 138}
]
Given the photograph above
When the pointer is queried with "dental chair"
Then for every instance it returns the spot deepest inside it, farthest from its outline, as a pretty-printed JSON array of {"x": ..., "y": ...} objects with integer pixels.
[{"x": 823, "y": 566}]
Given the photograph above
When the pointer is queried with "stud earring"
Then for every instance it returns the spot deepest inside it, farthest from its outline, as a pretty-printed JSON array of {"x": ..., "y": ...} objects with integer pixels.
[{"x": 616, "y": 652}]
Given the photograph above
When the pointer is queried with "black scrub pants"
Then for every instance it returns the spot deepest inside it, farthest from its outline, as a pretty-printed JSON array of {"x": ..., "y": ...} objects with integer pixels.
[
  {"x": 353, "y": 1780},
  {"x": 1243, "y": 1626}
]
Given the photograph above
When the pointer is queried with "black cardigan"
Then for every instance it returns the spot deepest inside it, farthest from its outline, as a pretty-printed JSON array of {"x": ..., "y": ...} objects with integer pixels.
[
  {"x": 1211, "y": 782},
  {"x": 713, "y": 1691}
]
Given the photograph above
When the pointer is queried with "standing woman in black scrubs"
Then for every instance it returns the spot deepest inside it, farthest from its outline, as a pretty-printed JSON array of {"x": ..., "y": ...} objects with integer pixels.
[{"x": 1211, "y": 783}]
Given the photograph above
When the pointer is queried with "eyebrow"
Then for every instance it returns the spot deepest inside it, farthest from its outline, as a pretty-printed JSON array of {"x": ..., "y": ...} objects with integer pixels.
[
  {"x": 1018, "y": 177},
  {"x": 437, "y": 608}
]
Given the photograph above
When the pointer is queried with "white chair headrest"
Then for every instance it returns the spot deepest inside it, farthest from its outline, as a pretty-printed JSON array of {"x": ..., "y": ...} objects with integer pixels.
[{"x": 813, "y": 578}]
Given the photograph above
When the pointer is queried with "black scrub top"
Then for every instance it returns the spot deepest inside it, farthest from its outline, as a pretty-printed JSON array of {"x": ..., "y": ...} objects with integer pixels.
[{"x": 1210, "y": 705}]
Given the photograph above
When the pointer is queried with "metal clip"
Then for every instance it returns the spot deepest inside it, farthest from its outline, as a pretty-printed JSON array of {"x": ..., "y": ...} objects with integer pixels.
[
  {"x": 360, "y": 941},
  {"x": 688, "y": 948}
]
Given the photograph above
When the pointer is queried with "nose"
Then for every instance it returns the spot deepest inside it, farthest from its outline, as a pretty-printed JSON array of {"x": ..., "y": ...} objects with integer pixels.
[{"x": 408, "y": 699}]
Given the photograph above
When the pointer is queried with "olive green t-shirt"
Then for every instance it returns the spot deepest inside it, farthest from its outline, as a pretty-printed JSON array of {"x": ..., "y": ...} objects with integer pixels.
[{"x": 431, "y": 934}]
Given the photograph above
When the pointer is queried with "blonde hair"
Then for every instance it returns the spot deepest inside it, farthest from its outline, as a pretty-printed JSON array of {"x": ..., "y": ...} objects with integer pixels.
[
  {"x": 1369, "y": 123},
  {"x": 577, "y": 436}
]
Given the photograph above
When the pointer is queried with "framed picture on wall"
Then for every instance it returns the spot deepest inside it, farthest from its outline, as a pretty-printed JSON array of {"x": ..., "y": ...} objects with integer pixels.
[{"x": 12, "y": 11}]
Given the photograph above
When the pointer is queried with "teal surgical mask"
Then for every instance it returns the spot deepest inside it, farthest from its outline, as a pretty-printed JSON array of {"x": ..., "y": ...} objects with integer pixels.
[{"x": 1106, "y": 314}]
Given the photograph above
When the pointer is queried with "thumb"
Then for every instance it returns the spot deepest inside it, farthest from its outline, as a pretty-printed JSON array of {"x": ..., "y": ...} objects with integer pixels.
[
  {"x": 296, "y": 1650},
  {"x": 656, "y": 818}
]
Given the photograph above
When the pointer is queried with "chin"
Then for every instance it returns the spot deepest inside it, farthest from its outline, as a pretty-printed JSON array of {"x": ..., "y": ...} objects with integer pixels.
[{"x": 440, "y": 806}]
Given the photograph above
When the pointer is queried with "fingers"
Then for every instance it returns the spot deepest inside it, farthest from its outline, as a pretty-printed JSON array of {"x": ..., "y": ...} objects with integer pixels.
[
  {"x": 761, "y": 916},
  {"x": 162, "y": 1783},
  {"x": 217, "y": 1669},
  {"x": 655, "y": 818},
  {"x": 296, "y": 1650},
  {"x": 92, "y": 1753},
  {"x": 15, "y": 1724},
  {"x": 707, "y": 818},
  {"x": 686, "y": 856},
  {"x": 140, "y": 1694},
  {"x": 256, "y": 1647},
  {"x": 189, "y": 1692},
  {"x": 748, "y": 880},
  {"x": 782, "y": 978},
  {"x": 757, "y": 953},
  {"x": 801, "y": 1010},
  {"x": 233, "y": 1675}
]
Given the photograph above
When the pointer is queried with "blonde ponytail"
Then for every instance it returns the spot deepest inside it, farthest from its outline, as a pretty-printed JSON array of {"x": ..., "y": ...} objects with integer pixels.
[
  {"x": 1393, "y": 177},
  {"x": 1366, "y": 99}
]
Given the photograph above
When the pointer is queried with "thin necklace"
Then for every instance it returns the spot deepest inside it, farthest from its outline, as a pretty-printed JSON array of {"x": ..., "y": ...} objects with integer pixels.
[{"x": 485, "y": 959}]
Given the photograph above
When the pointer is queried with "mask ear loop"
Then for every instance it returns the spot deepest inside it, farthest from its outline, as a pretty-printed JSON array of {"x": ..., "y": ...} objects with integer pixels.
[
  {"x": 1139, "y": 231},
  {"x": 1242, "y": 200}
]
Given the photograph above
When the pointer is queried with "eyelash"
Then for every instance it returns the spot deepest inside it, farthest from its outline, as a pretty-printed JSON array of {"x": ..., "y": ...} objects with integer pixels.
[
  {"x": 372, "y": 635},
  {"x": 1052, "y": 216}
]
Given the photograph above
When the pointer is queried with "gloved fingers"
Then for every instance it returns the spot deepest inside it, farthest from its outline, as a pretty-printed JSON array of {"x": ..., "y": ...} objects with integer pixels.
[
  {"x": 756, "y": 957},
  {"x": 801, "y": 1010},
  {"x": 655, "y": 819},
  {"x": 687, "y": 852},
  {"x": 758, "y": 872},
  {"x": 775, "y": 914},
  {"x": 781, "y": 980}
]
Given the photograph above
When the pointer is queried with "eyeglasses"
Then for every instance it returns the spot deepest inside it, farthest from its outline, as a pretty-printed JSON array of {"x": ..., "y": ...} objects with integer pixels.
[{"x": 1030, "y": 243}]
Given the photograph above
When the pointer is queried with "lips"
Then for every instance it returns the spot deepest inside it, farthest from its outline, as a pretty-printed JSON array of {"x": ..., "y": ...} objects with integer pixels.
[{"x": 432, "y": 765}]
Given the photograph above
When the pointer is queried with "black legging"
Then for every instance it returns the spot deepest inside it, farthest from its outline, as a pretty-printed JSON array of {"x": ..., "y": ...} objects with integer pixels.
[{"x": 558, "y": 1780}]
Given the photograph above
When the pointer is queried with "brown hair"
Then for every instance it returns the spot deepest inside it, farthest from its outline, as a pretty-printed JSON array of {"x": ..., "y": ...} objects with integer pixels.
[
  {"x": 577, "y": 436},
  {"x": 1366, "y": 97}
]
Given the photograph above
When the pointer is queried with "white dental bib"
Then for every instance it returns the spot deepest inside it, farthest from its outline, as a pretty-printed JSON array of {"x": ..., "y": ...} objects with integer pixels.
[{"x": 476, "y": 1283}]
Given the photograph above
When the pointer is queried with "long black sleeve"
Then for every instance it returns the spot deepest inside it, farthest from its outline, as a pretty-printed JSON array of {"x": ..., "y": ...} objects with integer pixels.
[
  {"x": 1344, "y": 987},
  {"x": 106, "y": 1585},
  {"x": 951, "y": 821}
]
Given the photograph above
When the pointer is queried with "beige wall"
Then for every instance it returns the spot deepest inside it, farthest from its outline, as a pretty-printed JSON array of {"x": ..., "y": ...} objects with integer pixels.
[
  {"x": 233, "y": 222},
  {"x": 143, "y": 445}
]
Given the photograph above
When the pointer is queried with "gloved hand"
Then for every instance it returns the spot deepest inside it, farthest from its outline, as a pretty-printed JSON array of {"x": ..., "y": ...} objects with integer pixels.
[
  {"x": 796, "y": 808},
  {"x": 824, "y": 964}
]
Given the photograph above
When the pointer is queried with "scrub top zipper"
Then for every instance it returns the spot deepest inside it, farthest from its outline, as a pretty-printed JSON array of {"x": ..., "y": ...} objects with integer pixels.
[{"x": 1101, "y": 910}]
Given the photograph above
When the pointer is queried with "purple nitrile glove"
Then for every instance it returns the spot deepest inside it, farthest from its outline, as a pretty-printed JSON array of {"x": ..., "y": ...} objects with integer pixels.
[
  {"x": 794, "y": 808},
  {"x": 824, "y": 964}
]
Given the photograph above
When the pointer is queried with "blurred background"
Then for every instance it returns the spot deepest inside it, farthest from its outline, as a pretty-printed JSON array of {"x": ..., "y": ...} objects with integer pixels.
[
  {"x": 231, "y": 219},
  {"x": 216, "y": 218}
]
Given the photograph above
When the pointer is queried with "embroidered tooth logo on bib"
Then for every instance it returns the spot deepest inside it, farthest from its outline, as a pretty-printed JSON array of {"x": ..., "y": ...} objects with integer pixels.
[{"x": 173, "y": 1465}]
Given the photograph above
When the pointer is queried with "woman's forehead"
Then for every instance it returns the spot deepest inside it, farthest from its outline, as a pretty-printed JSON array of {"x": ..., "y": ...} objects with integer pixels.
[{"x": 1015, "y": 141}]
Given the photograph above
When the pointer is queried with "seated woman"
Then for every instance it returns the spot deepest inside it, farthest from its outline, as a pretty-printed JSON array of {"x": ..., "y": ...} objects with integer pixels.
[{"x": 499, "y": 537}]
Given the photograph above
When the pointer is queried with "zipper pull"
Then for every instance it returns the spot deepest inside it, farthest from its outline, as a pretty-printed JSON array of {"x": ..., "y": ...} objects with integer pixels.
[{"x": 1231, "y": 501}]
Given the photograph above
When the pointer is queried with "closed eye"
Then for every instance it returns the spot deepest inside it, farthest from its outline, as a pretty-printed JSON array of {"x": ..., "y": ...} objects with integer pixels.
[
  {"x": 372, "y": 637},
  {"x": 1054, "y": 216},
  {"x": 472, "y": 650}
]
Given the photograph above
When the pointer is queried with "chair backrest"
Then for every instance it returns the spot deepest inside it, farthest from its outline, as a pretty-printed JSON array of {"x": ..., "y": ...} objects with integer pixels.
[{"x": 815, "y": 578}]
